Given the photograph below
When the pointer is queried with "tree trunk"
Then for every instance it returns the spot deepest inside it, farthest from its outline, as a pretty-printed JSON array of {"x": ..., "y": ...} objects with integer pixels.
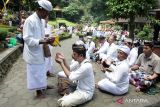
[
  {"x": 156, "y": 32},
  {"x": 19, "y": 8},
  {"x": 131, "y": 27}
]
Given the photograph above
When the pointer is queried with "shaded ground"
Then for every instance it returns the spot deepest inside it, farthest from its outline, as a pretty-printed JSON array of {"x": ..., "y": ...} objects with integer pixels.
[{"x": 13, "y": 92}]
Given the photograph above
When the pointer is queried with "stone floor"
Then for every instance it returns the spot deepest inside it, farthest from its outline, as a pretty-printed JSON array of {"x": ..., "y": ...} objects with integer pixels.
[{"x": 13, "y": 91}]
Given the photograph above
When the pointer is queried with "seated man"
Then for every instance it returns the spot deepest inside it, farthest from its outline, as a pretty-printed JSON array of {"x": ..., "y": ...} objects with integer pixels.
[
  {"x": 144, "y": 73},
  {"x": 101, "y": 49},
  {"x": 90, "y": 46},
  {"x": 73, "y": 66},
  {"x": 84, "y": 75},
  {"x": 132, "y": 57},
  {"x": 111, "y": 51},
  {"x": 103, "y": 45},
  {"x": 65, "y": 86},
  {"x": 117, "y": 78}
]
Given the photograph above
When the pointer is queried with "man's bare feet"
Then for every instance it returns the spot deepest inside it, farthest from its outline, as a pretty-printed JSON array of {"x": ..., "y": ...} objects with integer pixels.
[
  {"x": 138, "y": 89},
  {"x": 133, "y": 82},
  {"x": 40, "y": 94},
  {"x": 50, "y": 74}
]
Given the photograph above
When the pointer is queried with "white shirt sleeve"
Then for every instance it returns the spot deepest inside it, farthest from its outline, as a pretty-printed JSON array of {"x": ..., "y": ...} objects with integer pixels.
[
  {"x": 111, "y": 51},
  {"x": 74, "y": 66},
  {"x": 104, "y": 48},
  {"x": 132, "y": 57},
  {"x": 79, "y": 73},
  {"x": 91, "y": 47},
  {"x": 116, "y": 75},
  {"x": 28, "y": 35}
]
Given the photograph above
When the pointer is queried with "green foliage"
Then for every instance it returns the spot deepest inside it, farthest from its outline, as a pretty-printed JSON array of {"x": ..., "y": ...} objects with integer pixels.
[
  {"x": 126, "y": 8},
  {"x": 130, "y": 9},
  {"x": 61, "y": 3},
  {"x": 13, "y": 29},
  {"x": 146, "y": 33},
  {"x": 52, "y": 15},
  {"x": 117, "y": 27},
  {"x": 136, "y": 31},
  {"x": 64, "y": 35},
  {"x": 4, "y": 31},
  {"x": 8, "y": 17},
  {"x": 87, "y": 19},
  {"x": 84, "y": 10},
  {"x": 3, "y": 34},
  {"x": 61, "y": 21},
  {"x": 73, "y": 12},
  {"x": 154, "y": 20},
  {"x": 98, "y": 10}
]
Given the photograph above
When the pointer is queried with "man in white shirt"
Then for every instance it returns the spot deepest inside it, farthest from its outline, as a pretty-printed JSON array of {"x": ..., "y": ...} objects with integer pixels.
[
  {"x": 111, "y": 50},
  {"x": 117, "y": 78},
  {"x": 48, "y": 59},
  {"x": 84, "y": 75},
  {"x": 132, "y": 57},
  {"x": 33, "y": 54},
  {"x": 90, "y": 46},
  {"x": 103, "y": 45}
]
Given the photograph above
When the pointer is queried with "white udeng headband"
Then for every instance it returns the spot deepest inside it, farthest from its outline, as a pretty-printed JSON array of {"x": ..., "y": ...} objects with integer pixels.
[{"x": 45, "y": 4}]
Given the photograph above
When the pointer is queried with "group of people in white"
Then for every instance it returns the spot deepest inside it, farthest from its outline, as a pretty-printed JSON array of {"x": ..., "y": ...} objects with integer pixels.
[
  {"x": 120, "y": 64},
  {"x": 105, "y": 31},
  {"x": 117, "y": 62}
]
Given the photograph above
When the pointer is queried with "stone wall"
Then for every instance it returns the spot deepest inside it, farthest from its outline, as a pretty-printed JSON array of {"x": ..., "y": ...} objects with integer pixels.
[{"x": 7, "y": 58}]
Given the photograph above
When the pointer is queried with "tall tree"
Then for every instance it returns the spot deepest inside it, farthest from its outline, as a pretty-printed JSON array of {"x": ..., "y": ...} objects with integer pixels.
[
  {"x": 77, "y": 9},
  {"x": 130, "y": 9},
  {"x": 99, "y": 10},
  {"x": 72, "y": 12}
]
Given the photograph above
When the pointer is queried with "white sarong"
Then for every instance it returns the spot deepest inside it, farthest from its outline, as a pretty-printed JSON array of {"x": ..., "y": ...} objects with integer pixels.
[
  {"x": 49, "y": 64},
  {"x": 36, "y": 77},
  {"x": 74, "y": 99}
]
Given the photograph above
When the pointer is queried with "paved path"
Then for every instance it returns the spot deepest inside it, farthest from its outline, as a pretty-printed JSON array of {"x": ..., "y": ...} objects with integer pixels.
[{"x": 13, "y": 92}]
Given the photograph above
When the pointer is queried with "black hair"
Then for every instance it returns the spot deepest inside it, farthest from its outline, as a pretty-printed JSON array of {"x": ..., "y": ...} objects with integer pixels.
[
  {"x": 101, "y": 38},
  {"x": 79, "y": 49},
  {"x": 150, "y": 44},
  {"x": 129, "y": 43},
  {"x": 115, "y": 36},
  {"x": 137, "y": 44}
]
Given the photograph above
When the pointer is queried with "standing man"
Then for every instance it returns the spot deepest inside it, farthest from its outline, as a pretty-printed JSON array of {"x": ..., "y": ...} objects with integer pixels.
[
  {"x": 84, "y": 75},
  {"x": 48, "y": 59},
  {"x": 33, "y": 54}
]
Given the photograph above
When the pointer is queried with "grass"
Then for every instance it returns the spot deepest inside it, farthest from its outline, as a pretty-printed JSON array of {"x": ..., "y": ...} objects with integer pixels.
[
  {"x": 61, "y": 20},
  {"x": 4, "y": 28}
]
